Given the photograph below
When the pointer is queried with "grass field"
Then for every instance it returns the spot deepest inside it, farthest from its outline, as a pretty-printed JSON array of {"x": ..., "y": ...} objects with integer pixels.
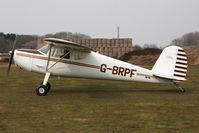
[{"x": 96, "y": 106}]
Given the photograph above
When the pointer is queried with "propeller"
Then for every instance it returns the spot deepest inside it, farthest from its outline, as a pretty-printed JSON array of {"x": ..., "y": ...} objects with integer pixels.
[{"x": 12, "y": 54}]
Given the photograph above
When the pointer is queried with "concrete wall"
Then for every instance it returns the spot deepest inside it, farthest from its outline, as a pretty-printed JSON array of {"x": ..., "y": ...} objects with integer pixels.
[{"x": 110, "y": 47}]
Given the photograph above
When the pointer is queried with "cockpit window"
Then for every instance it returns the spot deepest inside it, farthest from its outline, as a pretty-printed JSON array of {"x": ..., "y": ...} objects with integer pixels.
[
  {"x": 60, "y": 52},
  {"x": 44, "y": 49}
]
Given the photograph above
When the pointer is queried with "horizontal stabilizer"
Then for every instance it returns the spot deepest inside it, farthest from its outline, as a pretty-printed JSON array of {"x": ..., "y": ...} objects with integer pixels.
[{"x": 169, "y": 77}]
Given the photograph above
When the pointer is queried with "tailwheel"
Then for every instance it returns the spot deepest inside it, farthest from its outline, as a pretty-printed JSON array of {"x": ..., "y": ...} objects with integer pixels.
[
  {"x": 42, "y": 90},
  {"x": 182, "y": 90}
]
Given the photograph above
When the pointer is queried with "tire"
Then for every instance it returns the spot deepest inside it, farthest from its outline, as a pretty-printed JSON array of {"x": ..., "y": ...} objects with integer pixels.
[
  {"x": 42, "y": 90},
  {"x": 48, "y": 86}
]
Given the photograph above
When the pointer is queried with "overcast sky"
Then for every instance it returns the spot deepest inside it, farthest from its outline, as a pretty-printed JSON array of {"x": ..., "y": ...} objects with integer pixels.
[{"x": 145, "y": 21}]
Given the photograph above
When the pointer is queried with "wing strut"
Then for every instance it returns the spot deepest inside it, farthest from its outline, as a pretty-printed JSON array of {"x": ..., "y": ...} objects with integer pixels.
[
  {"x": 59, "y": 59},
  {"x": 47, "y": 75}
]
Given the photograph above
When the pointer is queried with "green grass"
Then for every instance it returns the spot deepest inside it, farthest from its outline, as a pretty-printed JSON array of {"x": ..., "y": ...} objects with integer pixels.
[{"x": 96, "y": 106}]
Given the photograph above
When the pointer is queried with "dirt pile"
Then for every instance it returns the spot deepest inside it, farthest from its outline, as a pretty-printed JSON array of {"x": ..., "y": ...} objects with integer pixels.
[
  {"x": 142, "y": 57},
  {"x": 192, "y": 54},
  {"x": 149, "y": 56}
]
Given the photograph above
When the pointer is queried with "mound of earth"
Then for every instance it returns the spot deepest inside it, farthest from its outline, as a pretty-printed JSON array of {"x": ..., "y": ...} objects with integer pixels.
[
  {"x": 192, "y": 54},
  {"x": 149, "y": 56},
  {"x": 146, "y": 57}
]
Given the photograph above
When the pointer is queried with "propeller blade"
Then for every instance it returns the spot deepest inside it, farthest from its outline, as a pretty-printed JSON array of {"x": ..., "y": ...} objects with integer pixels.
[{"x": 12, "y": 54}]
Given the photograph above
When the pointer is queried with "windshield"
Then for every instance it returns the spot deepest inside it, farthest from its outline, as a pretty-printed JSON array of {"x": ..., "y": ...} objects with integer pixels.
[{"x": 44, "y": 49}]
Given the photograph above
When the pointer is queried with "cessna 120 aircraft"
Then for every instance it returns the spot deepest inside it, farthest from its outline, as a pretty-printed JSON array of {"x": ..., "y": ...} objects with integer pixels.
[{"x": 65, "y": 58}]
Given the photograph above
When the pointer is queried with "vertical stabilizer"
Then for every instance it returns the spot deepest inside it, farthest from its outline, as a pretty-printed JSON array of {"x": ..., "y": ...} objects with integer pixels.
[{"x": 171, "y": 64}]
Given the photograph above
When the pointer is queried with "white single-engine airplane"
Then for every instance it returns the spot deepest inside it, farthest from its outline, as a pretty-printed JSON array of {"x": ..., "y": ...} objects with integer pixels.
[{"x": 64, "y": 58}]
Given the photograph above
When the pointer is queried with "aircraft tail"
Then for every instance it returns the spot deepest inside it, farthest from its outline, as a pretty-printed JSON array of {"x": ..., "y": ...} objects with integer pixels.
[{"x": 171, "y": 64}]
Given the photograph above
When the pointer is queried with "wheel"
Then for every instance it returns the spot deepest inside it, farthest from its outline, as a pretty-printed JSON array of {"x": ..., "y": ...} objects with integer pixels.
[
  {"x": 48, "y": 86},
  {"x": 182, "y": 90},
  {"x": 42, "y": 90}
]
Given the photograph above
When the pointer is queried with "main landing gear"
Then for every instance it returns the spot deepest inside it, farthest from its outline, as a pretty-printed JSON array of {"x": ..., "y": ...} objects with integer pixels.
[
  {"x": 182, "y": 90},
  {"x": 44, "y": 87},
  {"x": 42, "y": 90}
]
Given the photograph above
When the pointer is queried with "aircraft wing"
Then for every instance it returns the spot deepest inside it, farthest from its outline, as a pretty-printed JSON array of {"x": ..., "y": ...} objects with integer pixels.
[{"x": 66, "y": 44}]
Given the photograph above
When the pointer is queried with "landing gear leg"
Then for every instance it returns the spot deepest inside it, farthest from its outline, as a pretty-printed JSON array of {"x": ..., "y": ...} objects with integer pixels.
[
  {"x": 44, "y": 88},
  {"x": 46, "y": 78},
  {"x": 182, "y": 90}
]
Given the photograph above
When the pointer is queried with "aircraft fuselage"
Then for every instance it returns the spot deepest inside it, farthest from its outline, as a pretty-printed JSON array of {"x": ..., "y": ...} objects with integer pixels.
[{"x": 93, "y": 65}]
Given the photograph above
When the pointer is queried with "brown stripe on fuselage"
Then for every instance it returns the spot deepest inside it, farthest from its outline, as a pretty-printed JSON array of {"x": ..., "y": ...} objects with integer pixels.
[
  {"x": 181, "y": 63},
  {"x": 181, "y": 59},
  {"x": 29, "y": 51},
  {"x": 177, "y": 75},
  {"x": 180, "y": 71},
  {"x": 181, "y": 67},
  {"x": 57, "y": 60}
]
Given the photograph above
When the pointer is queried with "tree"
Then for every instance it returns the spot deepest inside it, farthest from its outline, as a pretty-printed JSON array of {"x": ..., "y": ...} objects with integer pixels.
[
  {"x": 150, "y": 46},
  {"x": 7, "y": 40},
  {"x": 137, "y": 47},
  {"x": 5, "y": 45},
  {"x": 30, "y": 41},
  {"x": 67, "y": 35},
  {"x": 191, "y": 38}
]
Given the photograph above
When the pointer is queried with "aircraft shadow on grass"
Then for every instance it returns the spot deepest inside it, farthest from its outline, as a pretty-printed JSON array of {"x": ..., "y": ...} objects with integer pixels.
[{"x": 115, "y": 90}]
